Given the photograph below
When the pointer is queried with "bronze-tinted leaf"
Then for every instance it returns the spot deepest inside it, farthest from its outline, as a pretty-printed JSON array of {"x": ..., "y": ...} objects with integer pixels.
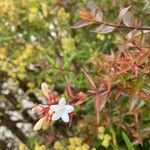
[
  {"x": 104, "y": 98},
  {"x": 128, "y": 19},
  {"x": 81, "y": 97},
  {"x": 135, "y": 33},
  {"x": 93, "y": 8},
  {"x": 81, "y": 23},
  {"x": 69, "y": 91},
  {"x": 90, "y": 80},
  {"x": 122, "y": 13},
  {"x": 132, "y": 34},
  {"x": 95, "y": 11},
  {"x": 99, "y": 103},
  {"x": 99, "y": 15},
  {"x": 104, "y": 29}
]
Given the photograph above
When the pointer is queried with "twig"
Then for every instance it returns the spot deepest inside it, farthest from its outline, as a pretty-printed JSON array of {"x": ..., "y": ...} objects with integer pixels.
[{"x": 122, "y": 26}]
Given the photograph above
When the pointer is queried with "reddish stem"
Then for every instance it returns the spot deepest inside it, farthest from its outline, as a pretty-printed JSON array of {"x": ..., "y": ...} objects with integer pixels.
[{"x": 122, "y": 26}]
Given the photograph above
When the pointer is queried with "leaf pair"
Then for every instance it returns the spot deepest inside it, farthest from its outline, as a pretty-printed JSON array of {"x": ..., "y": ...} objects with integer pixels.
[
  {"x": 78, "y": 98},
  {"x": 94, "y": 15},
  {"x": 101, "y": 93},
  {"x": 89, "y": 16}
]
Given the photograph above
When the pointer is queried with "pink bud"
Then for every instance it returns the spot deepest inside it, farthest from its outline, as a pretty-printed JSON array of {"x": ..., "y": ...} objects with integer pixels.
[{"x": 40, "y": 109}]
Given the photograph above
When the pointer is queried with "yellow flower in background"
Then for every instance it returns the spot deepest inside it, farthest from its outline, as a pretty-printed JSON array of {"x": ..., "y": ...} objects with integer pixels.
[
  {"x": 101, "y": 37},
  {"x": 100, "y": 136},
  {"x": 76, "y": 144},
  {"x": 21, "y": 76},
  {"x": 71, "y": 147},
  {"x": 63, "y": 17},
  {"x": 106, "y": 140},
  {"x": 3, "y": 54},
  {"x": 71, "y": 141},
  {"x": 39, "y": 147},
  {"x": 75, "y": 141},
  {"x": 58, "y": 146},
  {"x": 101, "y": 129},
  {"x": 78, "y": 148},
  {"x": 44, "y": 8},
  {"x": 31, "y": 84},
  {"x": 68, "y": 44},
  {"x": 22, "y": 146},
  {"x": 78, "y": 141},
  {"x": 85, "y": 147},
  {"x": 33, "y": 11}
]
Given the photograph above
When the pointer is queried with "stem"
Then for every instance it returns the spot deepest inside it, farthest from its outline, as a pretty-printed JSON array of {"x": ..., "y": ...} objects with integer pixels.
[{"x": 122, "y": 26}]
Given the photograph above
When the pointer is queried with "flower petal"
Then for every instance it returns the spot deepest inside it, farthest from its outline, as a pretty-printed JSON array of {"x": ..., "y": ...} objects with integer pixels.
[
  {"x": 69, "y": 108},
  {"x": 65, "y": 117},
  {"x": 44, "y": 88},
  {"x": 38, "y": 125},
  {"x": 56, "y": 116},
  {"x": 46, "y": 123},
  {"x": 62, "y": 102},
  {"x": 54, "y": 108}
]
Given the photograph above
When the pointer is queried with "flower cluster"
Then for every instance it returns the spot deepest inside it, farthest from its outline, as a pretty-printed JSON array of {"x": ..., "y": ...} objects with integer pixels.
[
  {"x": 75, "y": 143},
  {"x": 56, "y": 109},
  {"x": 52, "y": 111},
  {"x": 104, "y": 137}
]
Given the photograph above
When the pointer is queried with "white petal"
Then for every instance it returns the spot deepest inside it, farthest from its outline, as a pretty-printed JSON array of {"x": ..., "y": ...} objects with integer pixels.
[
  {"x": 62, "y": 102},
  {"x": 38, "y": 125},
  {"x": 56, "y": 116},
  {"x": 69, "y": 108},
  {"x": 65, "y": 117},
  {"x": 54, "y": 107},
  {"x": 44, "y": 88}
]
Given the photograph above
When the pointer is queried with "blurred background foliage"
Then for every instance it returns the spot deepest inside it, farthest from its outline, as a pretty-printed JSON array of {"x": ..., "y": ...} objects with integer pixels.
[{"x": 37, "y": 44}]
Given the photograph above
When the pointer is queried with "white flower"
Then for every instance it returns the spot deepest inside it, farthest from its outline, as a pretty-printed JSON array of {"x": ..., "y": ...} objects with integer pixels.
[{"x": 61, "y": 110}]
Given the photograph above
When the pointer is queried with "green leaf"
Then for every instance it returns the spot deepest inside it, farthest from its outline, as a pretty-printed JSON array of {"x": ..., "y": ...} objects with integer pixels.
[{"x": 127, "y": 141}]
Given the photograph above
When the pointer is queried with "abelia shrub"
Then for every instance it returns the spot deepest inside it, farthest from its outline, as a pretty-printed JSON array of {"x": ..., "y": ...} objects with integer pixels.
[{"x": 121, "y": 73}]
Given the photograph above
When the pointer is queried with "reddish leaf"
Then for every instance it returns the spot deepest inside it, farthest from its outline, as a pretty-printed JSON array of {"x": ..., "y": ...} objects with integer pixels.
[
  {"x": 81, "y": 23},
  {"x": 93, "y": 8},
  {"x": 99, "y": 103},
  {"x": 135, "y": 33},
  {"x": 128, "y": 19},
  {"x": 104, "y": 98},
  {"x": 99, "y": 15},
  {"x": 81, "y": 97},
  {"x": 104, "y": 29},
  {"x": 132, "y": 34},
  {"x": 117, "y": 94},
  {"x": 90, "y": 80},
  {"x": 122, "y": 13},
  {"x": 69, "y": 91},
  {"x": 106, "y": 83}
]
